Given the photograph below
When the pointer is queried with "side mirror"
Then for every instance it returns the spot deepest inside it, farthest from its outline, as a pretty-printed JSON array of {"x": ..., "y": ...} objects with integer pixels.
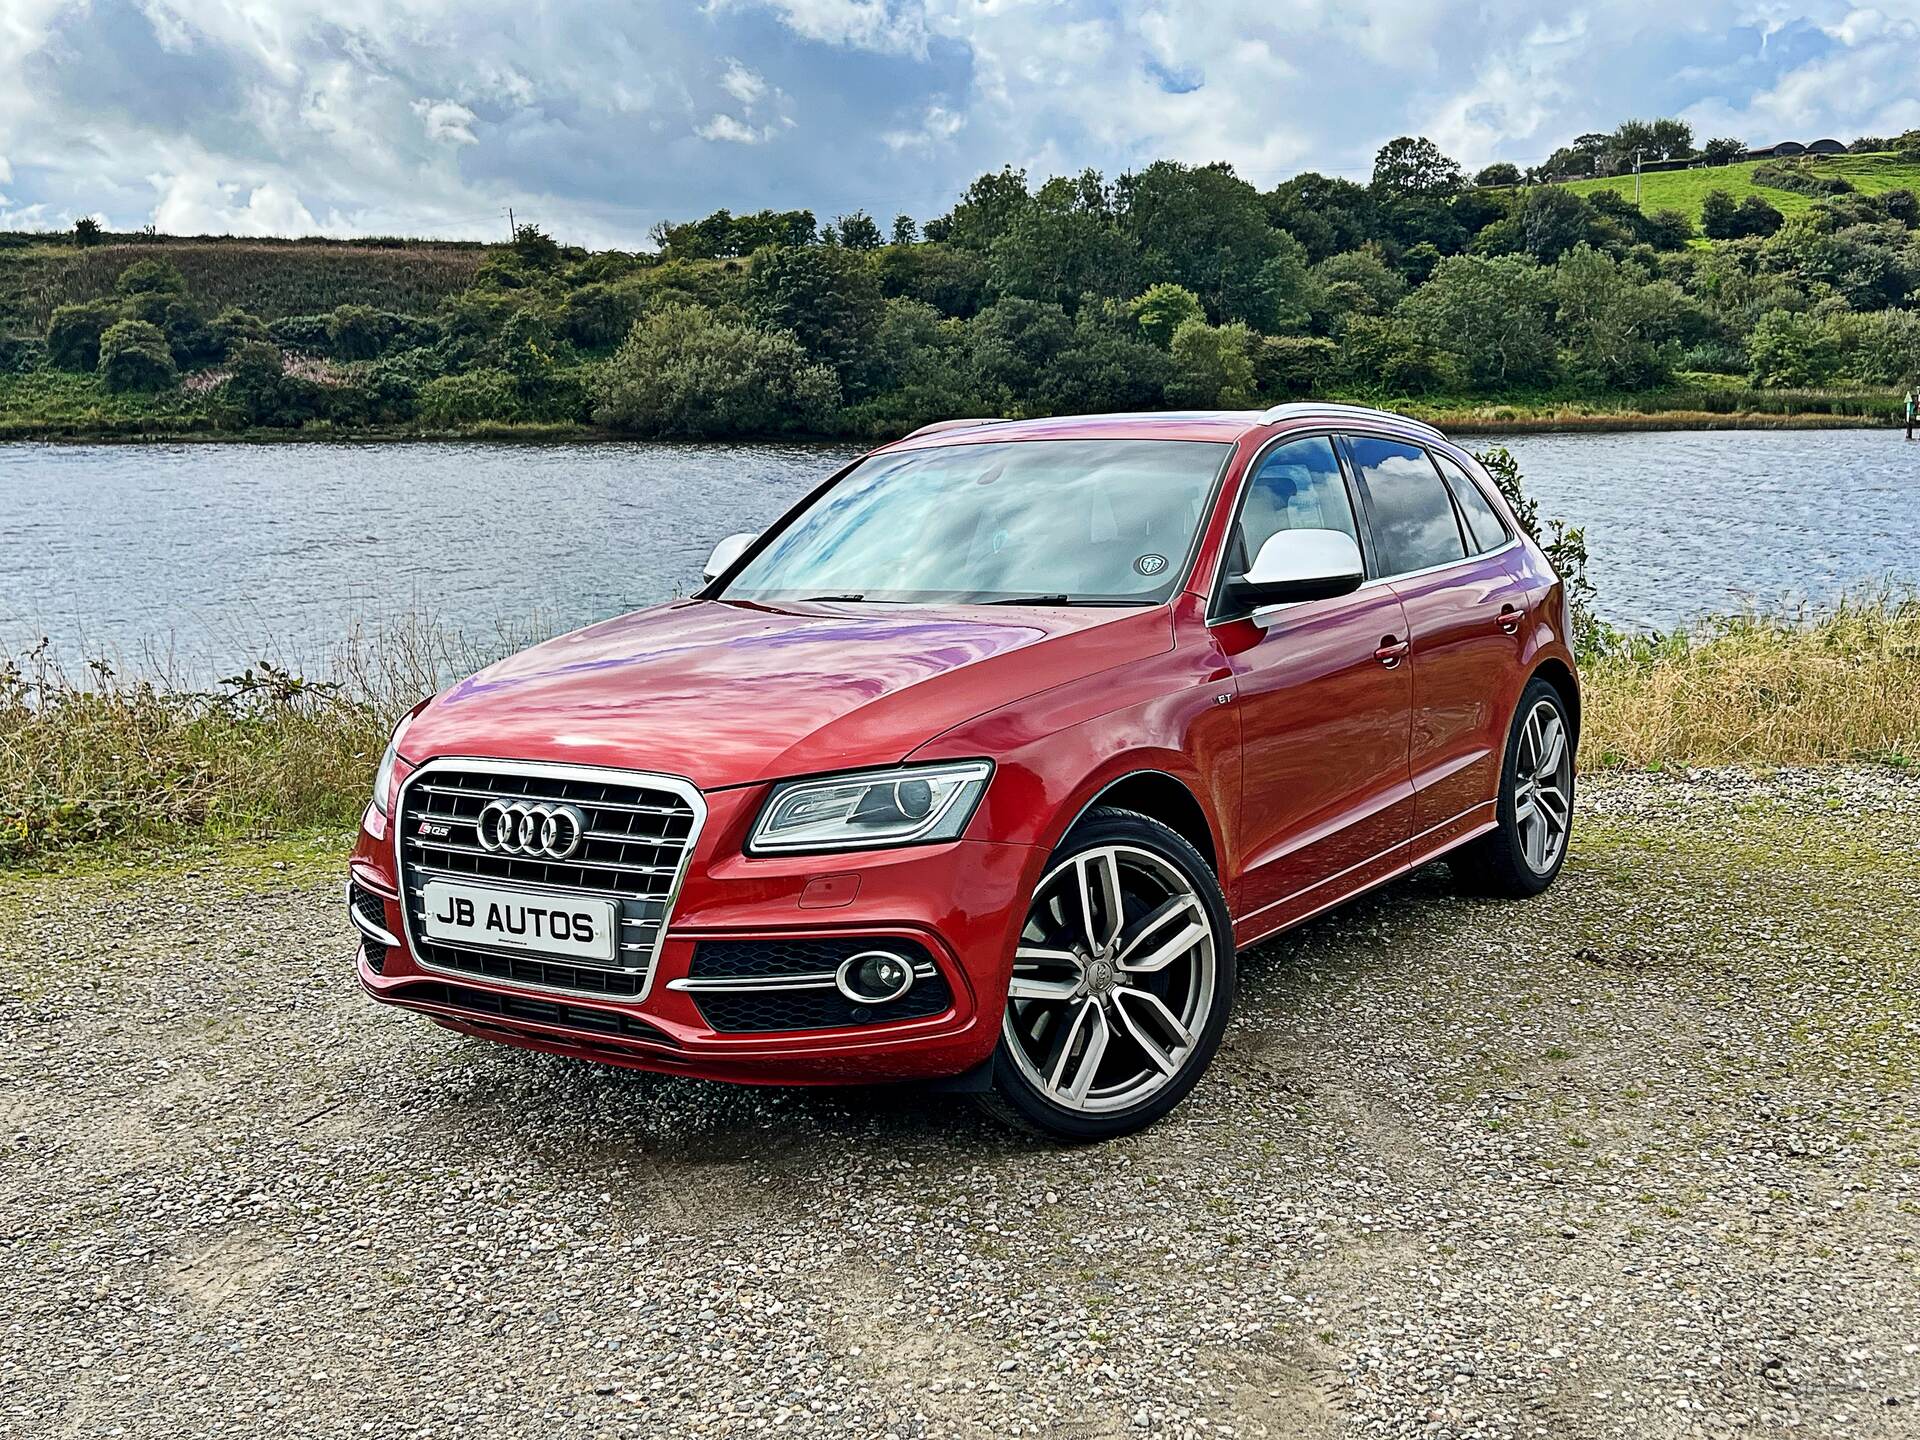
[
  {"x": 726, "y": 552},
  {"x": 1296, "y": 565}
]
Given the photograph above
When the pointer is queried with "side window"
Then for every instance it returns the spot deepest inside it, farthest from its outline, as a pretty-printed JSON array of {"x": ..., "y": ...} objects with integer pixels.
[
  {"x": 1297, "y": 487},
  {"x": 1485, "y": 528},
  {"x": 1413, "y": 521}
]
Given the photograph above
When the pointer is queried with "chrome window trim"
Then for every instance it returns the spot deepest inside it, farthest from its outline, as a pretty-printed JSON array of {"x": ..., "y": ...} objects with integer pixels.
[
  {"x": 1333, "y": 430},
  {"x": 1330, "y": 432},
  {"x": 674, "y": 784}
]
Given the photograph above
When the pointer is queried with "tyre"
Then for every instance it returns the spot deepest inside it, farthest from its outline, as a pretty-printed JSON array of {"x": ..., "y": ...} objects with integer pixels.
[
  {"x": 1122, "y": 983},
  {"x": 1524, "y": 851}
]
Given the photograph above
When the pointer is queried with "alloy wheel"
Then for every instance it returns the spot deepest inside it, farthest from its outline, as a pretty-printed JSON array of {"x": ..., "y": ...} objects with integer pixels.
[
  {"x": 1113, "y": 979},
  {"x": 1543, "y": 785}
]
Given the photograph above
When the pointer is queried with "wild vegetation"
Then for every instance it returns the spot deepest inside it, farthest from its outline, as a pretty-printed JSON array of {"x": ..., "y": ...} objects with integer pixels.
[{"x": 1175, "y": 285}]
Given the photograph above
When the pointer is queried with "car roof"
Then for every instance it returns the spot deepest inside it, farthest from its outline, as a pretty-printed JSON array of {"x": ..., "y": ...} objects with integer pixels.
[{"x": 1216, "y": 425}]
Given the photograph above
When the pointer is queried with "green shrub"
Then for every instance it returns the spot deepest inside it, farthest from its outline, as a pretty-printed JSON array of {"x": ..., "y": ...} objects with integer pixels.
[
  {"x": 470, "y": 398},
  {"x": 1212, "y": 365},
  {"x": 1293, "y": 366},
  {"x": 233, "y": 326},
  {"x": 682, "y": 373},
  {"x": 73, "y": 335},
  {"x": 304, "y": 333},
  {"x": 1790, "y": 349},
  {"x": 1162, "y": 309},
  {"x": 150, "y": 277},
  {"x": 258, "y": 393},
  {"x": 134, "y": 356}
]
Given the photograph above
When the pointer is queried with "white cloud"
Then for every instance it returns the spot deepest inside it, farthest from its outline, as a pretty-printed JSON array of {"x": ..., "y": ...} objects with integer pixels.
[
  {"x": 862, "y": 24},
  {"x": 194, "y": 203},
  {"x": 745, "y": 85},
  {"x": 447, "y": 121},
  {"x": 736, "y": 132},
  {"x": 937, "y": 126}
]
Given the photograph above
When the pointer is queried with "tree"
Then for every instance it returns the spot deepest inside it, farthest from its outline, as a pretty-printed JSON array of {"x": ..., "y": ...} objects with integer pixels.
[
  {"x": 233, "y": 327},
  {"x": 1290, "y": 295},
  {"x": 1012, "y": 343},
  {"x": 1790, "y": 349},
  {"x": 681, "y": 373},
  {"x": 1718, "y": 216},
  {"x": 828, "y": 299},
  {"x": 1324, "y": 214},
  {"x": 953, "y": 281},
  {"x": 1756, "y": 217},
  {"x": 1498, "y": 173},
  {"x": 134, "y": 356},
  {"x": 534, "y": 248},
  {"x": 1610, "y": 318},
  {"x": 905, "y": 231},
  {"x": 1202, "y": 227},
  {"x": 1103, "y": 369},
  {"x": 984, "y": 211},
  {"x": 150, "y": 277},
  {"x": 1669, "y": 229},
  {"x": 1552, "y": 221},
  {"x": 1490, "y": 314},
  {"x": 1665, "y": 139},
  {"x": 259, "y": 393},
  {"x": 1212, "y": 365},
  {"x": 1163, "y": 309},
  {"x": 857, "y": 231},
  {"x": 74, "y": 331},
  {"x": 1723, "y": 151},
  {"x": 1062, "y": 245},
  {"x": 1357, "y": 282},
  {"x": 86, "y": 232},
  {"x": 1413, "y": 165}
]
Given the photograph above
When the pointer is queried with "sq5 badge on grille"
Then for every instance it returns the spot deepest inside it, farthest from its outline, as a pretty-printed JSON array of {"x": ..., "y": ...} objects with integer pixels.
[{"x": 538, "y": 830}]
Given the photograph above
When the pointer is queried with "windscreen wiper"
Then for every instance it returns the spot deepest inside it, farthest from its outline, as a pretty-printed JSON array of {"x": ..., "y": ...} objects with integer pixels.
[{"x": 1028, "y": 600}]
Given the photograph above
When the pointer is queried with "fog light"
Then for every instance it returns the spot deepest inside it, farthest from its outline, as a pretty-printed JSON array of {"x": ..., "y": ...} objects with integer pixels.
[{"x": 874, "y": 977}]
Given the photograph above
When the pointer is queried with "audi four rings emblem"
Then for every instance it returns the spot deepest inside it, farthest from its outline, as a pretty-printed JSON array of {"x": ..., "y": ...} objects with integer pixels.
[{"x": 551, "y": 832}]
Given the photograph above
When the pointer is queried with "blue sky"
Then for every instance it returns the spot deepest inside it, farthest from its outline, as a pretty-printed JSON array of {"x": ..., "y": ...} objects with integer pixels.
[{"x": 598, "y": 117}]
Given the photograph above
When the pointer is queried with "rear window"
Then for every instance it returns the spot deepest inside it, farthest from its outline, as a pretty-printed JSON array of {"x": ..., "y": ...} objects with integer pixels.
[
  {"x": 1414, "y": 527},
  {"x": 1484, "y": 526}
]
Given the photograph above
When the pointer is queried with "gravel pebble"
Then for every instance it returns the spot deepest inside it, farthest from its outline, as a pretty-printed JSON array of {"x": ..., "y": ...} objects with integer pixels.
[{"x": 1634, "y": 1159}]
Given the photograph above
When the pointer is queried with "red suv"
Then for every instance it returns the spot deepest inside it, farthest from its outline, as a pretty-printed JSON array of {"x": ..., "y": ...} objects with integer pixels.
[{"x": 982, "y": 762}]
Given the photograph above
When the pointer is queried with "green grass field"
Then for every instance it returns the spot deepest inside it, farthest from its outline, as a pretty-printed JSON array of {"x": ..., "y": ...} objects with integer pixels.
[{"x": 1685, "y": 190}]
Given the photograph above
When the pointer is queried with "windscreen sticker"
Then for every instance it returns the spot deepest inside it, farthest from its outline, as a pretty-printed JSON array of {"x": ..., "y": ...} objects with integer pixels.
[{"x": 1150, "y": 564}]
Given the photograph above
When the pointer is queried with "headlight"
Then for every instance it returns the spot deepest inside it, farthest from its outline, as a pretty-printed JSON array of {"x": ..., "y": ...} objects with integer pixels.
[
  {"x": 914, "y": 805},
  {"x": 383, "y": 777}
]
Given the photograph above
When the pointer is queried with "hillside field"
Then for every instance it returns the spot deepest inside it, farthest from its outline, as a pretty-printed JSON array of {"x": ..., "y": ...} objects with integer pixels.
[{"x": 1685, "y": 190}]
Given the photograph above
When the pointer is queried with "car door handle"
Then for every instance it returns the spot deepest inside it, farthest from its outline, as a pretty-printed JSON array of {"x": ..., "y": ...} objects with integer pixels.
[
  {"x": 1392, "y": 651},
  {"x": 1510, "y": 619}
]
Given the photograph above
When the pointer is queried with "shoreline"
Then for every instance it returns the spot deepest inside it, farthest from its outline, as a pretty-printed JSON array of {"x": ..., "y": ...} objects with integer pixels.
[{"x": 1453, "y": 422}]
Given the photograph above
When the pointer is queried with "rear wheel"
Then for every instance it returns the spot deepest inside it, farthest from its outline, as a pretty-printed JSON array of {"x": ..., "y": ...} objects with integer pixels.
[
  {"x": 1524, "y": 851},
  {"x": 1122, "y": 983}
]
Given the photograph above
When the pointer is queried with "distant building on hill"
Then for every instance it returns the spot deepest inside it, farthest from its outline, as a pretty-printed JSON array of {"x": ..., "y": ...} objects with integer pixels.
[
  {"x": 1772, "y": 152},
  {"x": 1826, "y": 147}
]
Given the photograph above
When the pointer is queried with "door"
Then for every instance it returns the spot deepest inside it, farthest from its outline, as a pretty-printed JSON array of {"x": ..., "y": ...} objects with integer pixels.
[
  {"x": 1447, "y": 555},
  {"x": 1324, "y": 695}
]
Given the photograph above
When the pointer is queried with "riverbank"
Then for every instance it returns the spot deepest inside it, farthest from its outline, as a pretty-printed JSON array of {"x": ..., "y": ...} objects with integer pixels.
[
  {"x": 44, "y": 406},
  {"x": 101, "y": 761},
  {"x": 1635, "y": 1158}
]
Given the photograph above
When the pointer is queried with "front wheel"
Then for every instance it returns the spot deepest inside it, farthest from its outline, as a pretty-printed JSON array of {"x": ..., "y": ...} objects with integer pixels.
[
  {"x": 1524, "y": 851},
  {"x": 1122, "y": 983}
]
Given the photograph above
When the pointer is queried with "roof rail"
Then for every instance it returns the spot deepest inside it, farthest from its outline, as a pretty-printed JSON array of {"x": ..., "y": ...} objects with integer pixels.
[
  {"x": 968, "y": 424},
  {"x": 1304, "y": 408}
]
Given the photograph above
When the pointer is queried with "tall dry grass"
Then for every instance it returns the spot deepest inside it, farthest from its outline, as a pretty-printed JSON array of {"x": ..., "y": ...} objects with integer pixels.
[
  {"x": 1835, "y": 683},
  {"x": 100, "y": 756}
]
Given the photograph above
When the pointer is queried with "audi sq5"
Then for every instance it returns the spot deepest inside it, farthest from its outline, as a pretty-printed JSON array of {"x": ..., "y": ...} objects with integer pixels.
[{"x": 980, "y": 765}]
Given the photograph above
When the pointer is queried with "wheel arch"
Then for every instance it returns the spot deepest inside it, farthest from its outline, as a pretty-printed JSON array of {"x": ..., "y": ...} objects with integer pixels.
[
  {"x": 1559, "y": 675},
  {"x": 1159, "y": 796}
]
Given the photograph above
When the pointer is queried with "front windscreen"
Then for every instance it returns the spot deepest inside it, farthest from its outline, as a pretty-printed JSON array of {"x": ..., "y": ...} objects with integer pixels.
[{"x": 1062, "y": 521}]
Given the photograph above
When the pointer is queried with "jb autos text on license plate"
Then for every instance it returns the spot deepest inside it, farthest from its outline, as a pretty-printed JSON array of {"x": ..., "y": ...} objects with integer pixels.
[{"x": 577, "y": 926}]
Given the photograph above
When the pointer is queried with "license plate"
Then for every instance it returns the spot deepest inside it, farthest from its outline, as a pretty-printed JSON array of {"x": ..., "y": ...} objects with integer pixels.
[{"x": 577, "y": 927}]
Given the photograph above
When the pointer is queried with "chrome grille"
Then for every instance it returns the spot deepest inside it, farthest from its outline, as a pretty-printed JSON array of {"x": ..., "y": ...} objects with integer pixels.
[{"x": 639, "y": 835}]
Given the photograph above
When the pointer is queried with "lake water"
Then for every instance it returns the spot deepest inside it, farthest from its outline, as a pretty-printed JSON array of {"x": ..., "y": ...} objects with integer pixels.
[{"x": 211, "y": 555}]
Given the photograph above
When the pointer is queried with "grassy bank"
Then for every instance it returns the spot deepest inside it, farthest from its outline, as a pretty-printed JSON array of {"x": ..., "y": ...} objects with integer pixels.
[
  {"x": 1687, "y": 190},
  {"x": 95, "y": 758},
  {"x": 54, "y": 405}
]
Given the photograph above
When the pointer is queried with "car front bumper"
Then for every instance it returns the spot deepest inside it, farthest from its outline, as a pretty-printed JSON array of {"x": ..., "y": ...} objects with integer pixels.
[{"x": 961, "y": 903}]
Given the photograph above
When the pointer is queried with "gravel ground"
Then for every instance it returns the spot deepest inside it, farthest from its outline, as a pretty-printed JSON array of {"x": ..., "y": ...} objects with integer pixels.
[{"x": 1633, "y": 1159}]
